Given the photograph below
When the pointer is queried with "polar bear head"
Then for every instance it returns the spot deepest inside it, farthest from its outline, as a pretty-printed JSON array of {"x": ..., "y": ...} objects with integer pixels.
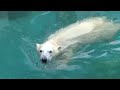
[{"x": 47, "y": 51}]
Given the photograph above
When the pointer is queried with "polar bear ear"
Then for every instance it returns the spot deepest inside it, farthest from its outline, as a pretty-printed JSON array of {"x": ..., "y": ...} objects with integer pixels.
[
  {"x": 59, "y": 48},
  {"x": 38, "y": 46}
]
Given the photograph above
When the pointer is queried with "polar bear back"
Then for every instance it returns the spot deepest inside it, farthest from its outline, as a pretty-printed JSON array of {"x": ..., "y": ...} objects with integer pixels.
[
  {"x": 86, "y": 31},
  {"x": 79, "y": 28}
]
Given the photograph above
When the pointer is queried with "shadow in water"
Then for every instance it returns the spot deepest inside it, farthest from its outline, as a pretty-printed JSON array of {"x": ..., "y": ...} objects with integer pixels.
[{"x": 18, "y": 14}]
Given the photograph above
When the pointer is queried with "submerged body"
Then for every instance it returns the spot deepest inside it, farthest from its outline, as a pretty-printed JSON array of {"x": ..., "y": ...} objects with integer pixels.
[{"x": 82, "y": 32}]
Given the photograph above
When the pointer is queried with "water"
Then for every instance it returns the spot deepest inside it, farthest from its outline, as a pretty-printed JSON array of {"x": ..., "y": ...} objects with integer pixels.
[{"x": 20, "y": 31}]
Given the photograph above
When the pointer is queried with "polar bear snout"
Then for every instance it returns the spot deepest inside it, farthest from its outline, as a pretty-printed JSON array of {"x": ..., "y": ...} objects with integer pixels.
[{"x": 44, "y": 60}]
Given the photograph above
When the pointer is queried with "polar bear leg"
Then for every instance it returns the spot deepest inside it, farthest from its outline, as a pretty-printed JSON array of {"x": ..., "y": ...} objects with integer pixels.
[{"x": 67, "y": 54}]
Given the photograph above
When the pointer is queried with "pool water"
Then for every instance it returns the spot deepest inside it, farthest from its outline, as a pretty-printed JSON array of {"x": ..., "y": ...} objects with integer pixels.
[{"x": 21, "y": 30}]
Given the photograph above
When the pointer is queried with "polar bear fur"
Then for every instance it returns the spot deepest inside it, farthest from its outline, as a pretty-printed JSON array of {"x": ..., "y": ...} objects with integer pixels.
[{"x": 82, "y": 32}]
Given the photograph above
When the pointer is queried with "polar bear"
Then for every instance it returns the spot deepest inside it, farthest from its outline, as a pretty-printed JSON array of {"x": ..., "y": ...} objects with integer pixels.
[{"x": 63, "y": 41}]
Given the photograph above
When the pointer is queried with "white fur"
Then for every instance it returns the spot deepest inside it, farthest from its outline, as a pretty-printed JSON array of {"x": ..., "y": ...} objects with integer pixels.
[{"x": 82, "y": 32}]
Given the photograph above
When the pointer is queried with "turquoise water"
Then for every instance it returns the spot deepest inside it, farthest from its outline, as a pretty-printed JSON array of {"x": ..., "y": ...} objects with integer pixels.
[{"x": 20, "y": 31}]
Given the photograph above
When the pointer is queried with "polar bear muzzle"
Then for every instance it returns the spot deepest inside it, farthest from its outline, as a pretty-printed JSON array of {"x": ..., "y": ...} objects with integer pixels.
[{"x": 44, "y": 60}]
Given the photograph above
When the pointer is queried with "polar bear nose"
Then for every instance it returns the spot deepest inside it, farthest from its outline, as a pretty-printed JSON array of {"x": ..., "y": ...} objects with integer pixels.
[{"x": 44, "y": 60}]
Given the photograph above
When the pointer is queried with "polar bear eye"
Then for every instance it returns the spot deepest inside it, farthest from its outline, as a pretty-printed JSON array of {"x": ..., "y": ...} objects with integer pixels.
[
  {"x": 40, "y": 50},
  {"x": 50, "y": 51}
]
